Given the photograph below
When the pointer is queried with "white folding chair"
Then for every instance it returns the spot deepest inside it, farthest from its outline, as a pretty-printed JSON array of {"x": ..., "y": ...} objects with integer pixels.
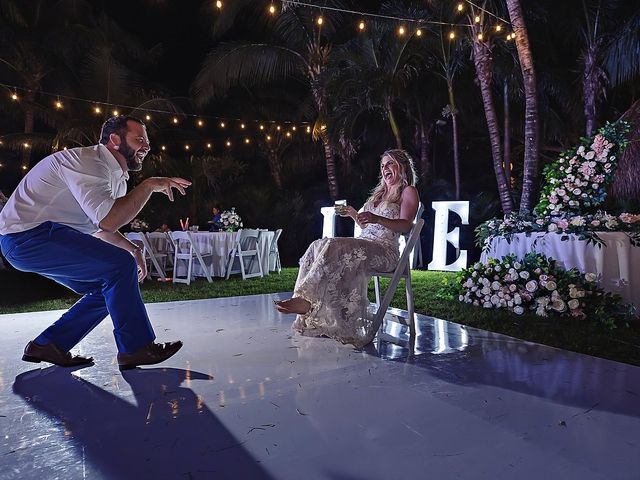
[
  {"x": 274, "y": 253},
  {"x": 247, "y": 247},
  {"x": 154, "y": 260},
  {"x": 403, "y": 270},
  {"x": 185, "y": 250},
  {"x": 162, "y": 243}
]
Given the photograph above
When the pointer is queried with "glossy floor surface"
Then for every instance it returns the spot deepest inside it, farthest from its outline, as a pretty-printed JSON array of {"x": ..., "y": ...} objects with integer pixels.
[{"x": 246, "y": 398}]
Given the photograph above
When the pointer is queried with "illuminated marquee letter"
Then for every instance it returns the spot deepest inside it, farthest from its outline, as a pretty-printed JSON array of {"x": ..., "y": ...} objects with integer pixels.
[{"x": 441, "y": 236}]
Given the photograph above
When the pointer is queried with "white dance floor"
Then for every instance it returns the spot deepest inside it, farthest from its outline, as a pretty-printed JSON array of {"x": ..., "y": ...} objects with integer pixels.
[{"x": 247, "y": 398}]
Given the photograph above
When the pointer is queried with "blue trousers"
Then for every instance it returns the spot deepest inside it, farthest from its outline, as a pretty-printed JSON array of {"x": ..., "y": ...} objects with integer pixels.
[{"x": 107, "y": 276}]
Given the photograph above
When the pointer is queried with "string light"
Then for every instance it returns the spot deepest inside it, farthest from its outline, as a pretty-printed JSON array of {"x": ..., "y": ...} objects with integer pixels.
[
  {"x": 187, "y": 147},
  {"x": 293, "y": 128},
  {"x": 452, "y": 35},
  {"x": 272, "y": 9},
  {"x": 401, "y": 31},
  {"x": 261, "y": 127},
  {"x": 361, "y": 25},
  {"x": 268, "y": 138},
  {"x": 221, "y": 124},
  {"x": 247, "y": 141},
  {"x": 308, "y": 129},
  {"x": 460, "y": 7},
  {"x": 175, "y": 120},
  {"x": 228, "y": 143},
  {"x": 163, "y": 148},
  {"x": 58, "y": 104},
  {"x": 509, "y": 37},
  {"x": 97, "y": 109},
  {"x": 209, "y": 145},
  {"x": 26, "y": 145},
  {"x": 200, "y": 123},
  {"x": 498, "y": 28},
  {"x": 218, "y": 4},
  {"x": 242, "y": 126},
  {"x": 115, "y": 113},
  {"x": 278, "y": 127},
  {"x": 418, "y": 33},
  {"x": 14, "y": 97},
  {"x": 24, "y": 167},
  {"x": 320, "y": 20},
  {"x": 477, "y": 19},
  {"x": 480, "y": 36},
  {"x": 288, "y": 134}
]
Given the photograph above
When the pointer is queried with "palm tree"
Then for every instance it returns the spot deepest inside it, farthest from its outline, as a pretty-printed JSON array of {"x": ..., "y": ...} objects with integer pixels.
[
  {"x": 531, "y": 158},
  {"x": 296, "y": 49}
]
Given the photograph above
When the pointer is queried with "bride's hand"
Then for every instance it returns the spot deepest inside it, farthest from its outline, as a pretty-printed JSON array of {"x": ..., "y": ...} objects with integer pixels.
[
  {"x": 349, "y": 211},
  {"x": 366, "y": 218}
]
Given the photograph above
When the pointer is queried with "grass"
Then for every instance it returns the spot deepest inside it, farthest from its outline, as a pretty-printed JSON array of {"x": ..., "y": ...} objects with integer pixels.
[{"x": 23, "y": 292}]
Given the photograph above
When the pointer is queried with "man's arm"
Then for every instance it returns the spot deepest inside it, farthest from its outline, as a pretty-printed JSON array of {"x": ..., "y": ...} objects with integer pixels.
[{"x": 126, "y": 208}]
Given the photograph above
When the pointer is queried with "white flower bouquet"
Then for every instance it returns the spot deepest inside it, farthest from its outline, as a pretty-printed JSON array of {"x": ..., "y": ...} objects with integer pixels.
[
  {"x": 230, "y": 221},
  {"x": 537, "y": 284},
  {"x": 139, "y": 225}
]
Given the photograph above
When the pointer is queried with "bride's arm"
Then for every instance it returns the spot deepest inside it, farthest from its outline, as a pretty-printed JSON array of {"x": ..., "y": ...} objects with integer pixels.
[{"x": 408, "y": 208}]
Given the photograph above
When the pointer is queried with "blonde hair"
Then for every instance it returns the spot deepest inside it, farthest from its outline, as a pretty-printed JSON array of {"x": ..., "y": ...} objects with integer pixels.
[{"x": 407, "y": 175}]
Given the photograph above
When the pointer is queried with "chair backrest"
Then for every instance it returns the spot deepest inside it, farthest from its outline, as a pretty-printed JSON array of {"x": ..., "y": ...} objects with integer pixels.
[
  {"x": 182, "y": 242},
  {"x": 138, "y": 239},
  {"x": 161, "y": 241},
  {"x": 248, "y": 239},
  {"x": 274, "y": 242}
]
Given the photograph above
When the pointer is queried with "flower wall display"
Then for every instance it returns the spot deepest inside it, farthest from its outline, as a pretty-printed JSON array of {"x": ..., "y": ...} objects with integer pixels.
[
  {"x": 230, "y": 221},
  {"x": 537, "y": 284},
  {"x": 138, "y": 225},
  {"x": 577, "y": 180},
  {"x": 575, "y": 185}
]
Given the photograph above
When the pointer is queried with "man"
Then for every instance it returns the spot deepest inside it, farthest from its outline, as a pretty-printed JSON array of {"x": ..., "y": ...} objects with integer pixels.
[{"x": 62, "y": 222}]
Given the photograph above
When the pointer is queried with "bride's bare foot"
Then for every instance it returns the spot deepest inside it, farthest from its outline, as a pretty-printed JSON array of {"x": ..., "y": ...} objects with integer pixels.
[{"x": 294, "y": 305}]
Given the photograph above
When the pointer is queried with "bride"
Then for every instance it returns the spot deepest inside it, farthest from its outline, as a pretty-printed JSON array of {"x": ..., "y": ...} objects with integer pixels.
[{"x": 330, "y": 295}]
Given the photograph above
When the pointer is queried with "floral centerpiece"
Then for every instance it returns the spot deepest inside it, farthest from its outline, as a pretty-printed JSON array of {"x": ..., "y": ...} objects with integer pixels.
[
  {"x": 230, "y": 221},
  {"x": 139, "y": 225},
  {"x": 539, "y": 285}
]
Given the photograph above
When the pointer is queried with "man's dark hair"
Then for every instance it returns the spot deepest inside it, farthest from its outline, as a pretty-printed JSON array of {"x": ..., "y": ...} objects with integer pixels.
[{"x": 117, "y": 125}]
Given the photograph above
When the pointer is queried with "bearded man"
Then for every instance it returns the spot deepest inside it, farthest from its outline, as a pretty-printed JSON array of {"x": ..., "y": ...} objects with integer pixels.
[{"x": 62, "y": 222}]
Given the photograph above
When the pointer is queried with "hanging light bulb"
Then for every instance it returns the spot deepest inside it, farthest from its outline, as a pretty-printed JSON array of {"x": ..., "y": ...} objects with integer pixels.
[
  {"x": 308, "y": 129},
  {"x": 288, "y": 134},
  {"x": 278, "y": 127},
  {"x": 24, "y": 167},
  {"x": 320, "y": 20},
  {"x": 14, "y": 97},
  {"x": 477, "y": 19},
  {"x": 272, "y": 9},
  {"x": 58, "y": 104},
  {"x": 460, "y": 7},
  {"x": 221, "y": 124},
  {"x": 228, "y": 143},
  {"x": 361, "y": 25},
  {"x": 200, "y": 123},
  {"x": 498, "y": 28},
  {"x": 115, "y": 113},
  {"x": 97, "y": 109},
  {"x": 268, "y": 138},
  {"x": 218, "y": 4},
  {"x": 163, "y": 148},
  {"x": 261, "y": 127},
  {"x": 401, "y": 31},
  {"x": 209, "y": 145},
  {"x": 147, "y": 117},
  {"x": 247, "y": 141},
  {"x": 418, "y": 33},
  {"x": 175, "y": 120},
  {"x": 480, "y": 36},
  {"x": 452, "y": 35},
  {"x": 509, "y": 37},
  {"x": 242, "y": 126},
  {"x": 293, "y": 128},
  {"x": 26, "y": 145}
]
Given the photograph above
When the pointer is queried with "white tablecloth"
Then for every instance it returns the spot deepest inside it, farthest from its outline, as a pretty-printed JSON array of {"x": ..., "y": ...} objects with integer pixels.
[
  {"x": 617, "y": 264},
  {"x": 221, "y": 244}
]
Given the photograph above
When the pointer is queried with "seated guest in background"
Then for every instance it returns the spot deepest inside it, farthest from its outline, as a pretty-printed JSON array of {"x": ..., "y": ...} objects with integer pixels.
[
  {"x": 215, "y": 221},
  {"x": 164, "y": 228},
  {"x": 330, "y": 295}
]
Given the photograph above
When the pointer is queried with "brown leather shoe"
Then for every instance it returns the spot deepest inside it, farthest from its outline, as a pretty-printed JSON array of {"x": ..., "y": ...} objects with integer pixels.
[
  {"x": 53, "y": 354},
  {"x": 148, "y": 355}
]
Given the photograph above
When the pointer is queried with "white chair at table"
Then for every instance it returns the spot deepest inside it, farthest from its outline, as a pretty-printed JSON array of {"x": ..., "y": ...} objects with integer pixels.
[
  {"x": 155, "y": 260},
  {"x": 162, "y": 243},
  {"x": 274, "y": 253},
  {"x": 186, "y": 250},
  {"x": 246, "y": 247}
]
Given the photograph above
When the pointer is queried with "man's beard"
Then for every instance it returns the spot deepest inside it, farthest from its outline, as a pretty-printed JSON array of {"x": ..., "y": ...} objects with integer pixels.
[{"x": 129, "y": 155}]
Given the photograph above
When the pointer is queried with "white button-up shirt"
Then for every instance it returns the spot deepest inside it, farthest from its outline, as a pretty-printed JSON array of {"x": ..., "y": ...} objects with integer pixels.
[{"x": 75, "y": 187}]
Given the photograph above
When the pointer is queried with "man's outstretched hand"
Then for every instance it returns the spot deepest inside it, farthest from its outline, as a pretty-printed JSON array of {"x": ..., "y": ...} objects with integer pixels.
[{"x": 167, "y": 184}]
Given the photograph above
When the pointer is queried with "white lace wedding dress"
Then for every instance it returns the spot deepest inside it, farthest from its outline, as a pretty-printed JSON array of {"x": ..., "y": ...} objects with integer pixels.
[{"x": 334, "y": 275}]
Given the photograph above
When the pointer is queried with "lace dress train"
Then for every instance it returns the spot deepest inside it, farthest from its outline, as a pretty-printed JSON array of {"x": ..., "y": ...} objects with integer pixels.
[{"x": 334, "y": 276}]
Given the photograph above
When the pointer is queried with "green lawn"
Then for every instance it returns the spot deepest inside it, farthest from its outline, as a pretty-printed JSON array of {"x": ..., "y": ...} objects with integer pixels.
[{"x": 25, "y": 293}]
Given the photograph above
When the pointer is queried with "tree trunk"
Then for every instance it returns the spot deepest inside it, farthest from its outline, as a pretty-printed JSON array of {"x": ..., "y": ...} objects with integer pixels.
[
  {"x": 531, "y": 160},
  {"x": 330, "y": 161},
  {"x": 29, "y": 110},
  {"x": 425, "y": 152},
  {"x": 456, "y": 151},
  {"x": 394, "y": 125},
  {"x": 482, "y": 62},
  {"x": 275, "y": 167},
  {"x": 589, "y": 88},
  {"x": 507, "y": 136}
]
